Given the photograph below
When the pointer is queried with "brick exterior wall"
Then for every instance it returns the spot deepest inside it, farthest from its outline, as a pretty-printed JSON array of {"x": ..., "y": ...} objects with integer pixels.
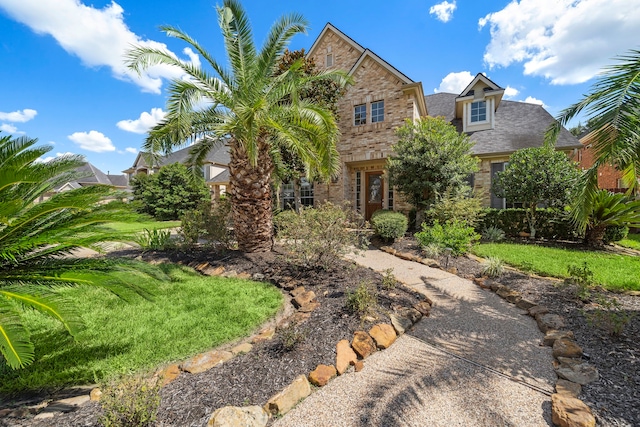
[{"x": 608, "y": 176}]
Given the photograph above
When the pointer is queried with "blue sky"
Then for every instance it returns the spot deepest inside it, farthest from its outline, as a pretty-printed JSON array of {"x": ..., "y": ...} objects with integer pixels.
[{"x": 63, "y": 80}]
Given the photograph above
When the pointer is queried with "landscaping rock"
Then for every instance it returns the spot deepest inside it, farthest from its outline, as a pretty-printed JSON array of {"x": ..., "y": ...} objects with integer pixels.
[
  {"x": 547, "y": 322},
  {"x": 304, "y": 298},
  {"x": 45, "y": 415},
  {"x": 568, "y": 411},
  {"x": 213, "y": 271},
  {"x": 430, "y": 262},
  {"x": 383, "y": 334},
  {"x": 494, "y": 286},
  {"x": 525, "y": 304},
  {"x": 552, "y": 335},
  {"x": 309, "y": 307},
  {"x": 205, "y": 361},
  {"x": 577, "y": 371},
  {"x": 410, "y": 313},
  {"x": 509, "y": 294},
  {"x": 284, "y": 401},
  {"x": 481, "y": 281},
  {"x": 321, "y": 375},
  {"x": 167, "y": 375},
  {"x": 423, "y": 307},
  {"x": 241, "y": 349},
  {"x": 400, "y": 324},
  {"x": 345, "y": 356},
  {"x": 96, "y": 394},
  {"x": 232, "y": 416},
  {"x": 265, "y": 335},
  {"x": 358, "y": 366},
  {"x": 568, "y": 388},
  {"x": 297, "y": 291},
  {"x": 408, "y": 256},
  {"x": 68, "y": 405},
  {"x": 565, "y": 347},
  {"x": 452, "y": 270},
  {"x": 244, "y": 275},
  {"x": 201, "y": 267},
  {"x": 231, "y": 273},
  {"x": 257, "y": 276},
  {"x": 362, "y": 344},
  {"x": 537, "y": 310},
  {"x": 388, "y": 249}
]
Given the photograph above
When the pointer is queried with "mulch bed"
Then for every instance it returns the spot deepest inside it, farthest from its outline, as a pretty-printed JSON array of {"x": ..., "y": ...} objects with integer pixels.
[
  {"x": 252, "y": 378},
  {"x": 615, "y": 397}
]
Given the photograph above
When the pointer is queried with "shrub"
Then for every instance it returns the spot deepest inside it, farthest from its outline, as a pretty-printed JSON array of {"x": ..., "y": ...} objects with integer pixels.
[
  {"x": 362, "y": 300},
  {"x": 493, "y": 267},
  {"x": 608, "y": 315},
  {"x": 552, "y": 223},
  {"x": 389, "y": 280},
  {"x": 132, "y": 402},
  {"x": 615, "y": 233},
  {"x": 212, "y": 223},
  {"x": 319, "y": 237},
  {"x": 454, "y": 234},
  {"x": 492, "y": 234},
  {"x": 389, "y": 225},
  {"x": 154, "y": 240},
  {"x": 282, "y": 220},
  {"x": 462, "y": 206},
  {"x": 581, "y": 278},
  {"x": 292, "y": 335}
]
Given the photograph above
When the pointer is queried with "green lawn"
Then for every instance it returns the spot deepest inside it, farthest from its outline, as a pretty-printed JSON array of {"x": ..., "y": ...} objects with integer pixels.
[
  {"x": 133, "y": 227},
  {"x": 189, "y": 314},
  {"x": 614, "y": 272},
  {"x": 632, "y": 241}
]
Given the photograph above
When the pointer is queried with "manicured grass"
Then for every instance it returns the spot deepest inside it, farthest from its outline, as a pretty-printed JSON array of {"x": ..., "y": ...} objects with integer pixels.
[
  {"x": 189, "y": 314},
  {"x": 632, "y": 241},
  {"x": 614, "y": 272},
  {"x": 133, "y": 227}
]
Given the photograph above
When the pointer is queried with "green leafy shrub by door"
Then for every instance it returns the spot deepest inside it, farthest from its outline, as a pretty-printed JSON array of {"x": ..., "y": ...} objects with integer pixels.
[{"x": 389, "y": 225}]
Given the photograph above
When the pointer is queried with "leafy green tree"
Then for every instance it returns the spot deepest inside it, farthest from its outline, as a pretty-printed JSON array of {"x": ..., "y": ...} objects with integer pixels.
[
  {"x": 607, "y": 209},
  {"x": 535, "y": 176},
  {"x": 430, "y": 158},
  {"x": 35, "y": 239},
  {"x": 613, "y": 108},
  {"x": 171, "y": 192},
  {"x": 249, "y": 107}
]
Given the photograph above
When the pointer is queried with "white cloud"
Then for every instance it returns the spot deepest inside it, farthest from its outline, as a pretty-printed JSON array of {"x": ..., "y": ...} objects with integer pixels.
[
  {"x": 455, "y": 82},
  {"x": 566, "y": 41},
  {"x": 18, "y": 116},
  {"x": 443, "y": 11},
  {"x": 144, "y": 123},
  {"x": 99, "y": 37},
  {"x": 49, "y": 158},
  {"x": 532, "y": 100},
  {"x": 131, "y": 150},
  {"x": 92, "y": 141},
  {"x": 6, "y": 127},
  {"x": 510, "y": 92}
]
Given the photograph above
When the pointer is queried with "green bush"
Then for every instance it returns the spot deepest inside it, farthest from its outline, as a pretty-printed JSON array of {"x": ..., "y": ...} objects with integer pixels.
[
  {"x": 492, "y": 234},
  {"x": 462, "y": 206},
  {"x": 282, "y": 220},
  {"x": 134, "y": 402},
  {"x": 212, "y": 223},
  {"x": 154, "y": 240},
  {"x": 362, "y": 300},
  {"x": 319, "y": 237},
  {"x": 553, "y": 224},
  {"x": 615, "y": 233},
  {"x": 454, "y": 235},
  {"x": 389, "y": 225}
]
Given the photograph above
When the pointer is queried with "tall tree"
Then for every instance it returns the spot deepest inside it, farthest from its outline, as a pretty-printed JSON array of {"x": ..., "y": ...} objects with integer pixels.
[
  {"x": 613, "y": 107},
  {"x": 249, "y": 106},
  {"x": 35, "y": 237},
  {"x": 430, "y": 158}
]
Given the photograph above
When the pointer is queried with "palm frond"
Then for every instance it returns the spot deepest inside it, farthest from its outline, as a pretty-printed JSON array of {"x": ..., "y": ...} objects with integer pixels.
[{"x": 15, "y": 345}]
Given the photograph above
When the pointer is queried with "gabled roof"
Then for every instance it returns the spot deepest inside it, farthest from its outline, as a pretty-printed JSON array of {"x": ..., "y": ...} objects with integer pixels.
[
  {"x": 219, "y": 155},
  {"x": 517, "y": 125},
  {"x": 330, "y": 27},
  {"x": 393, "y": 70},
  {"x": 88, "y": 174},
  {"x": 480, "y": 78},
  {"x": 221, "y": 178}
]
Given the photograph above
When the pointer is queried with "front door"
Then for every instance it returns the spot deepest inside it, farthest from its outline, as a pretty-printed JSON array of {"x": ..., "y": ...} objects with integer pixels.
[{"x": 375, "y": 190}]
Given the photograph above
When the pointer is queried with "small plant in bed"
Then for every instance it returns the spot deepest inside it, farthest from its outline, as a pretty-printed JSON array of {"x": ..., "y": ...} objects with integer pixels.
[
  {"x": 389, "y": 225},
  {"x": 362, "y": 300},
  {"x": 493, "y": 267},
  {"x": 131, "y": 401}
]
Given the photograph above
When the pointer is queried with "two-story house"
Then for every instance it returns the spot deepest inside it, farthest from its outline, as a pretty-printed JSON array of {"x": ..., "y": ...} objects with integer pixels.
[{"x": 383, "y": 97}]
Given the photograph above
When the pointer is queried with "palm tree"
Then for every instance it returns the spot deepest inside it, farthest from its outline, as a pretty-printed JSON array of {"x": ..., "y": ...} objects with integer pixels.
[
  {"x": 613, "y": 107},
  {"x": 608, "y": 209},
  {"x": 254, "y": 111},
  {"x": 35, "y": 237}
]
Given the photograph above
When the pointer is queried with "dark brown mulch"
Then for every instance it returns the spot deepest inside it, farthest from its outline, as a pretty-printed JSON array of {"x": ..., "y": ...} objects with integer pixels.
[
  {"x": 251, "y": 379},
  {"x": 615, "y": 397}
]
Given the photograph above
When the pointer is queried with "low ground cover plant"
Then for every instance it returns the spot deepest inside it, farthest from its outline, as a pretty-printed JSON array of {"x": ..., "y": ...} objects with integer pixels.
[
  {"x": 612, "y": 271},
  {"x": 389, "y": 225},
  {"x": 455, "y": 235},
  {"x": 362, "y": 300},
  {"x": 126, "y": 337},
  {"x": 130, "y": 401},
  {"x": 493, "y": 267},
  {"x": 632, "y": 241}
]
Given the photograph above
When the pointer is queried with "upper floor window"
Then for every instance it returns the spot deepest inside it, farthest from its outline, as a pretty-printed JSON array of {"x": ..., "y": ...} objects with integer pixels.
[
  {"x": 478, "y": 111},
  {"x": 329, "y": 61},
  {"x": 377, "y": 111},
  {"x": 360, "y": 114}
]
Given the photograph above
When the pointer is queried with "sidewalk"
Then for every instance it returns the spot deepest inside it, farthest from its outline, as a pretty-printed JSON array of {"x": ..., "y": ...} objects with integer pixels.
[{"x": 474, "y": 362}]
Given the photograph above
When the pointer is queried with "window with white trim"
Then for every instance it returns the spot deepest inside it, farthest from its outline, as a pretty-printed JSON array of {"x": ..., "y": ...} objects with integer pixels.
[
  {"x": 377, "y": 111},
  {"x": 360, "y": 114},
  {"x": 478, "y": 111}
]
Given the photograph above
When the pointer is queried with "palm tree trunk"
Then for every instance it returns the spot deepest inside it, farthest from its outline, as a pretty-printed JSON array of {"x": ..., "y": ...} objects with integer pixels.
[
  {"x": 251, "y": 199},
  {"x": 594, "y": 236}
]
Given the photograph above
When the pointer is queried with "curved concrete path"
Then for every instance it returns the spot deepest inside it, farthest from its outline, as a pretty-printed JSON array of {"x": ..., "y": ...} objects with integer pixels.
[{"x": 476, "y": 361}]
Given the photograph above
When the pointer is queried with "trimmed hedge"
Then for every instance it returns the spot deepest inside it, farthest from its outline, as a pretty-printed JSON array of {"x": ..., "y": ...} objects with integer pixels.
[
  {"x": 389, "y": 225},
  {"x": 615, "y": 233},
  {"x": 552, "y": 224}
]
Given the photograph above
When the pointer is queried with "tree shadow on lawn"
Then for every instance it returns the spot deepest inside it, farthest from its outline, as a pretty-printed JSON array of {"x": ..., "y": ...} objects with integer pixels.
[{"x": 60, "y": 361}]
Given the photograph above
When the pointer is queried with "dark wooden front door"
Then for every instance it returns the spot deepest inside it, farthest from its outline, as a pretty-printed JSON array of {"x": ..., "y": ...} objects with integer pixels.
[{"x": 373, "y": 194}]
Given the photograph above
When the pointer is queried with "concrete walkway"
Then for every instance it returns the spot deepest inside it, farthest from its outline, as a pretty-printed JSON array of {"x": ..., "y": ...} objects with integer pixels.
[{"x": 476, "y": 361}]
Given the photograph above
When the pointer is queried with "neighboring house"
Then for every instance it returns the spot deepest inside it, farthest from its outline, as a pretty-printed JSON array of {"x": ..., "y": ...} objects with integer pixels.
[
  {"x": 383, "y": 97},
  {"x": 87, "y": 175},
  {"x": 609, "y": 178},
  {"x": 215, "y": 167}
]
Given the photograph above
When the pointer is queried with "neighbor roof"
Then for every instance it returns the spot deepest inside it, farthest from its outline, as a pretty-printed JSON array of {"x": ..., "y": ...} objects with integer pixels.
[
  {"x": 517, "y": 125},
  {"x": 219, "y": 155}
]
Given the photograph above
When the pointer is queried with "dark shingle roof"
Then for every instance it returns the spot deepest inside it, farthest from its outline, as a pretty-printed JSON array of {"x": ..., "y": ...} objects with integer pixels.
[
  {"x": 517, "y": 125},
  {"x": 219, "y": 154},
  {"x": 119, "y": 180},
  {"x": 89, "y": 174}
]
